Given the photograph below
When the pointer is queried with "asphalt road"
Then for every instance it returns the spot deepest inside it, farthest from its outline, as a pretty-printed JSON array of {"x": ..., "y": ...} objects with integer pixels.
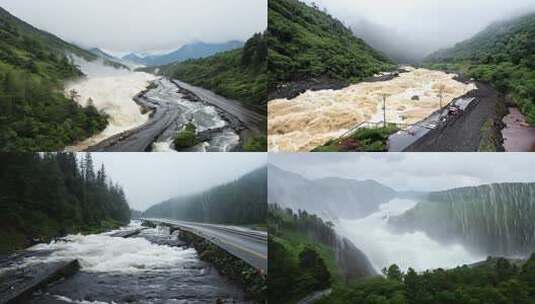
[
  {"x": 245, "y": 244},
  {"x": 463, "y": 133},
  {"x": 252, "y": 120},
  {"x": 169, "y": 115},
  {"x": 165, "y": 113}
]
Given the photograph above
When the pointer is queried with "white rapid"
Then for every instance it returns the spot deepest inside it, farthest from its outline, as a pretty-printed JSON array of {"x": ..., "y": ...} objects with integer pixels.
[
  {"x": 314, "y": 117},
  {"x": 103, "y": 253},
  {"x": 416, "y": 250},
  {"x": 112, "y": 91}
]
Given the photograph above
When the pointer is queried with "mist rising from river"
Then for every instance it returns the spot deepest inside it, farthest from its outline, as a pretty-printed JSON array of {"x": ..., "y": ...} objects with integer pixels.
[
  {"x": 112, "y": 91},
  {"x": 416, "y": 250}
]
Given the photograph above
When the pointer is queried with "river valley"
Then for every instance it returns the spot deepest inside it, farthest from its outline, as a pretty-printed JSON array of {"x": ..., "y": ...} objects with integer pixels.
[
  {"x": 149, "y": 121},
  {"x": 385, "y": 247}
]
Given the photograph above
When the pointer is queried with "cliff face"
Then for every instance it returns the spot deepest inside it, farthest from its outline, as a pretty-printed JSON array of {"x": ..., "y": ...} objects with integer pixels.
[
  {"x": 353, "y": 263},
  {"x": 495, "y": 219}
]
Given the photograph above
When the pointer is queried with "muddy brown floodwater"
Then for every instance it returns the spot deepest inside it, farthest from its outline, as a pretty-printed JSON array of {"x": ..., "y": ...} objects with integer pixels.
[
  {"x": 518, "y": 135},
  {"x": 314, "y": 117}
]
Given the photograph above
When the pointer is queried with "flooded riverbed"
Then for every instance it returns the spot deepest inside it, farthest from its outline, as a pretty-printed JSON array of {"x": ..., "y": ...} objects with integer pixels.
[
  {"x": 518, "y": 135},
  {"x": 111, "y": 91},
  {"x": 147, "y": 268},
  {"x": 311, "y": 119}
]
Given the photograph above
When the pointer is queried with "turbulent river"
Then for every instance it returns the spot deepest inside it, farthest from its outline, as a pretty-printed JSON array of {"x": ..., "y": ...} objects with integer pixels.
[
  {"x": 147, "y": 268},
  {"x": 203, "y": 116},
  {"x": 385, "y": 247},
  {"x": 112, "y": 91},
  {"x": 314, "y": 117}
]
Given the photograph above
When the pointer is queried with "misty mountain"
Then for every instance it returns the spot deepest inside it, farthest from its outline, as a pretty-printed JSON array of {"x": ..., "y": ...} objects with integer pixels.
[
  {"x": 239, "y": 74},
  {"x": 494, "y": 219},
  {"x": 504, "y": 55},
  {"x": 242, "y": 201},
  {"x": 35, "y": 113},
  {"x": 327, "y": 197},
  {"x": 510, "y": 39},
  {"x": 307, "y": 43},
  {"x": 190, "y": 51},
  {"x": 105, "y": 56},
  {"x": 392, "y": 43}
]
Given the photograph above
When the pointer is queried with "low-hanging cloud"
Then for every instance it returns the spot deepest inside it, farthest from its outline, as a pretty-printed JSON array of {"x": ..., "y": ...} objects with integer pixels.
[
  {"x": 125, "y": 25},
  {"x": 150, "y": 178},
  {"x": 426, "y": 25},
  {"x": 413, "y": 171}
]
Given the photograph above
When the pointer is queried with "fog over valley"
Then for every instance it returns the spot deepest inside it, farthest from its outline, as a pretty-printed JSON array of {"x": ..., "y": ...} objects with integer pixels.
[
  {"x": 412, "y": 29},
  {"x": 150, "y": 178}
]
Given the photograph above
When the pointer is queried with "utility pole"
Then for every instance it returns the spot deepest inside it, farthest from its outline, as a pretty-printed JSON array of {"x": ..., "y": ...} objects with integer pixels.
[
  {"x": 441, "y": 95},
  {"x": 384, "y": 108}
]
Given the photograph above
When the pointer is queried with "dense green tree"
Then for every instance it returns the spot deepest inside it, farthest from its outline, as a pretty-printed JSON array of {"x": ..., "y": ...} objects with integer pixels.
[
  {"x": 43, "y": 196},
  {"x": 35, "y": 114},
  {"x": 242, "y": 201}
]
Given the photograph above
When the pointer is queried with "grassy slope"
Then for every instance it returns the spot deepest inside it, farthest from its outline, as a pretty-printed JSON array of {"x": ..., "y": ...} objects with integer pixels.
[
  {"x": 363, "y": 140},
  {"x": 306, "y": 43},
  {"x": 225, "y": 74},
  {"x": 503, "y": 54},
  {"x": 35, "y": 115}
]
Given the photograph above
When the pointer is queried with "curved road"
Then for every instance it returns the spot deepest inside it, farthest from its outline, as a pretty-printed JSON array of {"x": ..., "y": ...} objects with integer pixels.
[
  {"x": 245, "y": 244},
  {"x": 252, "y": 120},
  {"x": 171, "y": 112}
]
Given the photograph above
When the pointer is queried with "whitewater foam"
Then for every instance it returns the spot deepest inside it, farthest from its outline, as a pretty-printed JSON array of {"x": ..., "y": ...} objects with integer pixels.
[
  {"x": 416, "y": 250},
  {"x": 112, "y": 91},
  {"x": 314, "y": 117},
  {"x": 104, "y": 253}
]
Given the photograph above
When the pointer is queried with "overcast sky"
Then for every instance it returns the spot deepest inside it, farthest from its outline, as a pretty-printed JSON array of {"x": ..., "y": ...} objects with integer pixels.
[
  {"x": 150, "y": 178},
  {"x": 439, "y": 23},
  {"x": 137, "y": 25},
  {"x": 413, "y": 171}
]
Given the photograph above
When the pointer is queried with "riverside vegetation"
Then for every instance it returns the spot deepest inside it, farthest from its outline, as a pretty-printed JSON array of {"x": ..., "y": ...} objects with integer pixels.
[
  {"x": 238, "y": 74},
  {"x": 302, "y": 262},
  {"x": 35, "y": 114},
  {"x": 44, "y": 196},
  {"x": 503, "y": 54}
]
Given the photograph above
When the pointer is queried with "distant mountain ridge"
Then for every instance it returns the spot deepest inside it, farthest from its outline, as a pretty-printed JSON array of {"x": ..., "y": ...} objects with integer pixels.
[
  {"x": 329, "y": 197},
  {"x": 242, "y": 201},
  {"x": 189, "y": 51},
  {"x": 495, "y": 219}
]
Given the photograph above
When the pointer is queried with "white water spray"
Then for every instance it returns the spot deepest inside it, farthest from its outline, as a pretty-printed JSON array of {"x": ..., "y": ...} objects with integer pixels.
[{"x": 416, "y": 250}]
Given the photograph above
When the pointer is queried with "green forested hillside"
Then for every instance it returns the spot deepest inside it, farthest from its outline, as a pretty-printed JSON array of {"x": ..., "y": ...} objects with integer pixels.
[
  {"x": 240, "y": 202},
  {"x": 491, "y": 219},
  {"x": 306, "y": 255},
  {"x": 495, "y": 281},
  {"x": 43, "y": 196},
  {"x": 238, "y": 74},
  {"x": 306, "y": 43},
  {"x": 503, "y": 54},
  {"x": 34, "y": 113}
]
